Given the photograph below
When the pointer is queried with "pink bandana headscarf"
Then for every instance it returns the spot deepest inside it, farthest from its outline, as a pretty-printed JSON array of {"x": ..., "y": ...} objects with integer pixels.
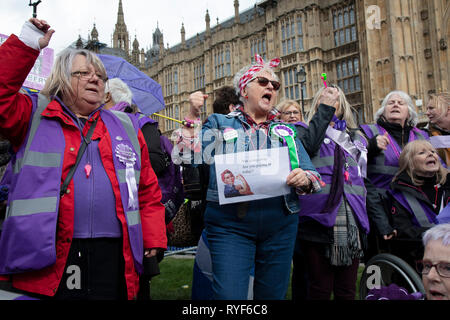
[{"x": 249, "y": 75}]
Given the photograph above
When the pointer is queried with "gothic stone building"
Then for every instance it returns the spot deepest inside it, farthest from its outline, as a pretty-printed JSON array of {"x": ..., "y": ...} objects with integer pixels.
[
  {"x": 367, "y": 47},
  {"x": 120, "y": 43}
]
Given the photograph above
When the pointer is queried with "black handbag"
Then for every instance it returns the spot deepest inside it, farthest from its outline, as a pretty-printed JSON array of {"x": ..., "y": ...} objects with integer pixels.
[
  {"x": 151, "y": 266},
  {"x": 195, "y": 181},
  {"x": 192, "y": 183}
]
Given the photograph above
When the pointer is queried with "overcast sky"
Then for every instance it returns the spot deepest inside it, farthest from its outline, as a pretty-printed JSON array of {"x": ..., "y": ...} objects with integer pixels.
[{"x": 69, "y": 18}]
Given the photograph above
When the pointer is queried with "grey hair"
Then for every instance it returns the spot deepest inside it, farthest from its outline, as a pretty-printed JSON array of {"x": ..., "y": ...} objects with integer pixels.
[
  {"x": 413, "y": 118},
  {"x": 119, "y": 91},
  {"x": 59, "y": 81},
  {"x": 241, "y": 72},
  {"x": 440, "y": 231}
]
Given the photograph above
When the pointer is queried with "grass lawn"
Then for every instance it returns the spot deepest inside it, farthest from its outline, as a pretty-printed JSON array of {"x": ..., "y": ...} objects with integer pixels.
[{"x": 175, "y": 280}]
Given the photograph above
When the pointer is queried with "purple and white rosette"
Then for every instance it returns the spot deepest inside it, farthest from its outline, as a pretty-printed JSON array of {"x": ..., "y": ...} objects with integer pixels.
[
  {"x": 282, "y": 131},
  {"x": 287, "y": 134},
  {"x": 126, "y": 155}
]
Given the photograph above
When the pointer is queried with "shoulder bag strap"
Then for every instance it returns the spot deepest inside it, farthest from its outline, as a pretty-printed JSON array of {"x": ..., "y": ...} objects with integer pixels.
[{"x": 86, "y": 141}]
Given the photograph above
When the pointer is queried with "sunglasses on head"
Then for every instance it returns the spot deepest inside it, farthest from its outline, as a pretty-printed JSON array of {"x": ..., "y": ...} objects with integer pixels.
[{"x": 263, "y": 81}]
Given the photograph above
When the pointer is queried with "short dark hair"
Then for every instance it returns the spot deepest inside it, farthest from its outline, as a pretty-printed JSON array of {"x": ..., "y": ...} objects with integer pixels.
[{"x": 224, "y": 97}]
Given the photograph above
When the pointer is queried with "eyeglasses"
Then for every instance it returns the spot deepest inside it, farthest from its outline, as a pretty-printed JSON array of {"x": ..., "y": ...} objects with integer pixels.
[
  {"x": 442, "y": 268},
  {"x": 263, "y": 81},
  {"x": 86, "y": 75},
  {"x": 288, "y": 113}
]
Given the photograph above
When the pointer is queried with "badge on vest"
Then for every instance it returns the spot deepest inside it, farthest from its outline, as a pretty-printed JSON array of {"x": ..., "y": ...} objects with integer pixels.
[
  {"x": 126, "y": 155},
  {"x": 230, "y": 134}
]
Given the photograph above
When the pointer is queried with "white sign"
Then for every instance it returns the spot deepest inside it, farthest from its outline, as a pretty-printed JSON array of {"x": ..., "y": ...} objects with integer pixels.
[{"x": 252, "y": 175}]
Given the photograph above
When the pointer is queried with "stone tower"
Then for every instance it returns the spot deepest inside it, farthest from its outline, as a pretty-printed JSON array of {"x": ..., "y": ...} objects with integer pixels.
[
  {"x": 94, "y": 34},
  {"x": 183, "y": 36},
  {"x": 135, "y": 54},
  {"x": 93, "y": 43},
  {"x": 236, "y": 11},
  {"x": 208, "y": 23},
  {"x": 79, "y": 43},
  {"x": 120, "y": 36}
]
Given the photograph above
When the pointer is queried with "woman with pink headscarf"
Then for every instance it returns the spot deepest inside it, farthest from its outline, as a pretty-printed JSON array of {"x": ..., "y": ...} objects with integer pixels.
[{"x": 257, "y": 234}]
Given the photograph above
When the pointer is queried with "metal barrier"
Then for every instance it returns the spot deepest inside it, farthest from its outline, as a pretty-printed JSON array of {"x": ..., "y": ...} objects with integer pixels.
[{"x": 183, "y": 251}]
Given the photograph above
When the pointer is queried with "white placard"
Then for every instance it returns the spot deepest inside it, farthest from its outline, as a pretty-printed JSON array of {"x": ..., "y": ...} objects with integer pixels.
[{"x": 252, "y": 175}]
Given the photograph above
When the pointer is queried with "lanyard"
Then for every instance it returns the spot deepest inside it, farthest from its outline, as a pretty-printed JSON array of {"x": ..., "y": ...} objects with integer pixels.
[{"x": 86, "y": 141}]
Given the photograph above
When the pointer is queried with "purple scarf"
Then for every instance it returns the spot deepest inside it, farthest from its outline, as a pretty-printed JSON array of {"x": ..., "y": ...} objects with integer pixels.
[
  {"x": 340, "y": 125},
  {"x": 337, "y": 182}
]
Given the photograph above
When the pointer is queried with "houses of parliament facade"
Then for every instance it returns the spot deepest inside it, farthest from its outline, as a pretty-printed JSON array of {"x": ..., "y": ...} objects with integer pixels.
[{"x": 367, "y": 47}]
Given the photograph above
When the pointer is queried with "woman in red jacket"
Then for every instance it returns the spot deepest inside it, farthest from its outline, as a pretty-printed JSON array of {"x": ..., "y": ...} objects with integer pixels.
[{"x": 73, "y": 229}]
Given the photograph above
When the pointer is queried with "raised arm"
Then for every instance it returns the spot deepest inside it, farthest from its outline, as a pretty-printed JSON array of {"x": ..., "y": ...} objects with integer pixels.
[{"x": 17, "y": 57}]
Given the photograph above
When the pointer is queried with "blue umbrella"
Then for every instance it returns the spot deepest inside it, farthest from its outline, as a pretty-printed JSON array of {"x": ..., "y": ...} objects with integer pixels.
[{"x": 147, "y": 93}]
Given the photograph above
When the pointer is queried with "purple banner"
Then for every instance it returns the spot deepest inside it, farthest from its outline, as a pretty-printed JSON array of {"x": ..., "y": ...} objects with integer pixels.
[{"x": 41, "y": 69}]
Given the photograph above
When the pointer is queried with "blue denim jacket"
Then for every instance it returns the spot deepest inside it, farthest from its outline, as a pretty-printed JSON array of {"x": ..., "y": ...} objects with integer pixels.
[{"x": 213, "y": 140}]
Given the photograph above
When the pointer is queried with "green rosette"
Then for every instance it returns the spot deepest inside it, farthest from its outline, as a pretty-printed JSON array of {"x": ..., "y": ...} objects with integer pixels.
[{"x": 287, "y": 133}]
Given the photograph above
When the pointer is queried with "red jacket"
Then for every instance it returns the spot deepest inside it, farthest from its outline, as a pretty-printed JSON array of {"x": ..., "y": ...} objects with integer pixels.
[{"x": 16, "y": 60}]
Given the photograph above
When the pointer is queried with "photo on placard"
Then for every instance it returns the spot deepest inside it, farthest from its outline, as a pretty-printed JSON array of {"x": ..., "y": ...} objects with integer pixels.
[{"x": 252, "y": 175}]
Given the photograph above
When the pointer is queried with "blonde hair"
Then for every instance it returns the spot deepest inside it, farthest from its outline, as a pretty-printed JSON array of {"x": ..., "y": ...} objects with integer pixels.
[
  {"x": 345, "y": 109},
  {"x": 283, "y": 105},
  {"x": 59, "y": 81},
  {"x": 407, "y": 164},
  {"x": 441, "y": 101}
]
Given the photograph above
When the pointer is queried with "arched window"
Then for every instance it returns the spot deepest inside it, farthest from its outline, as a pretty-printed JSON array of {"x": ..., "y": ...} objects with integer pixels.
[
  {"x": 344, "y": 25},
  {"x": 347, "y": 73}
]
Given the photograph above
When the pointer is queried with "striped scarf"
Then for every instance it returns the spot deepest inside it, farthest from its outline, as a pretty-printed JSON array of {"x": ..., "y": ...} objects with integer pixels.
[{"x": 346, "y": 244}]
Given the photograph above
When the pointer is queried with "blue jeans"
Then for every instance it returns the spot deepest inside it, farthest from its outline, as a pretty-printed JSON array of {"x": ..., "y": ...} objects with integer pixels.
[{"x": 264, "y": 239}]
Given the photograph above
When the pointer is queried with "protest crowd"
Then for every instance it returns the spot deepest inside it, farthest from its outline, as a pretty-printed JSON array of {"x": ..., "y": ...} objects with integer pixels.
[{"x": 90, "y": 188}]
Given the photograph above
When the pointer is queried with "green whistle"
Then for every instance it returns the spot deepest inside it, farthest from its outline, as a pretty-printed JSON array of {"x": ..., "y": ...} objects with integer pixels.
[{"x": 324, "y": 76}]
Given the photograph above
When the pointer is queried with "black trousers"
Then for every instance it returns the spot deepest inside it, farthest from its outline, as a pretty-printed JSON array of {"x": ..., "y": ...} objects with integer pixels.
[
  {"x": 94, "y": 271},
  {"x": 299, "y": 283},
  {"x": 324, "y": 278}
]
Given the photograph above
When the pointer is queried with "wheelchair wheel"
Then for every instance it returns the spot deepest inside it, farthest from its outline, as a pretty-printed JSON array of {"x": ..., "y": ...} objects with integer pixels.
[{"x": 385, "y": 269}]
